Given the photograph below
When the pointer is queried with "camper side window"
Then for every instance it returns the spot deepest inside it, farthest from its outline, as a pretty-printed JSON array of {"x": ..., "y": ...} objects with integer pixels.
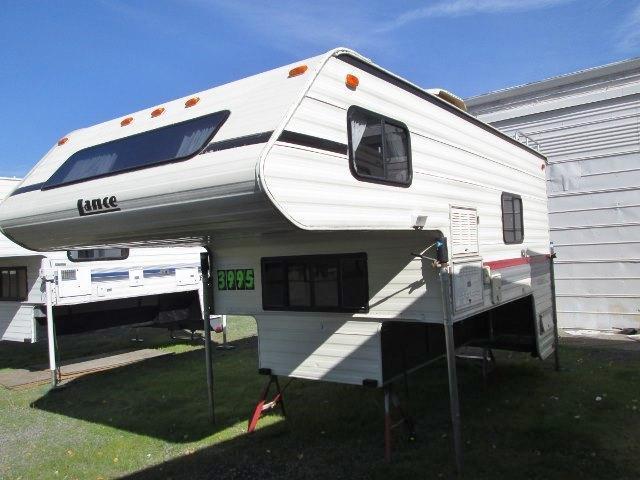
[
  {"x": 319, "y": 283},
  {"x": 512, "y": 222},
  {"x": 13, "y": 284},
  {"x": 379, "y": 148},
  {"x": 97, "y": 254}
]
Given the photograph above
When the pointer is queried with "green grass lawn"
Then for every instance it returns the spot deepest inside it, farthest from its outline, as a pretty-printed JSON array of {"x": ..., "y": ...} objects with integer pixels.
[{"x": 150, "y": 420}]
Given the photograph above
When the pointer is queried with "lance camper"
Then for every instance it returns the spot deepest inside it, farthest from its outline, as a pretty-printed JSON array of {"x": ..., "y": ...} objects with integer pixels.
[{"x": 362, "y": 220}]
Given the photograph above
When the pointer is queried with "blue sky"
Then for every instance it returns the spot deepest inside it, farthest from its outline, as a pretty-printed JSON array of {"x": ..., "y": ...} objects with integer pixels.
[{"x": 69, "y": 64}]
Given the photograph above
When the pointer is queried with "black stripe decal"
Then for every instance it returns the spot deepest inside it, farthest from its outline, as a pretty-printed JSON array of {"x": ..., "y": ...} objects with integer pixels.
[
  {"x": 313, "y": 142},
  {"x": 407, "y": 87},
  {"x": 253, "y": 139},
  {"x": 28, "y": 188}
]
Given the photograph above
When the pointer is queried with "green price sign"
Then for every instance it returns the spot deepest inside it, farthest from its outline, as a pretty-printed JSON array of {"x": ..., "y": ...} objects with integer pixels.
[{"x": 237, "y": 279}]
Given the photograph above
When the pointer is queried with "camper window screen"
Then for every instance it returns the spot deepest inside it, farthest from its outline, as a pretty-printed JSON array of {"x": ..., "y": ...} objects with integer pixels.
[
  {"x": 13, "y": 284},
  {"x": 320, "y": 283},
  {"x": 166, "y": 144},
  {"x": 379, "y": 148},
  {"x": 512, "y": 223}
]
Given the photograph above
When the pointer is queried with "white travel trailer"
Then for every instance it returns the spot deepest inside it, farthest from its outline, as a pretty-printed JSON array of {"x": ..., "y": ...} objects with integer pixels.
[
  {"x": 586, "y": 123},
  {"x": 355, "y": 215},
  {"x": 93, "y": 289}
]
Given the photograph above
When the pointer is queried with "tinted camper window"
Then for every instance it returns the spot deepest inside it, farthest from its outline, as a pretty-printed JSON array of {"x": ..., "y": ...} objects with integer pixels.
[
  {"x": 166, "y": 144},
  {"x": 320, "y": 283},
  {"x": 13, "y": 284},
  {"x": 96, "y": 254},
  {"x": 512, "y": 222},
  {"x": 379, "y": 148}
]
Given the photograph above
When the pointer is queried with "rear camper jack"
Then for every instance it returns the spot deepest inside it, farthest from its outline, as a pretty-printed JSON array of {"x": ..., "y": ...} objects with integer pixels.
[
  {"x": 206, "y": 266},
  {"x": 393, "y": 407}
]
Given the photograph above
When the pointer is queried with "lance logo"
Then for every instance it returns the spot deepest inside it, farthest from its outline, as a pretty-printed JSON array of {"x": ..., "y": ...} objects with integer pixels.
[{"x": 98, "y": 205}]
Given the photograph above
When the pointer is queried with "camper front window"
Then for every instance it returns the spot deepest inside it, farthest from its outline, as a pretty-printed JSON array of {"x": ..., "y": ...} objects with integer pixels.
[
  {"x": 96, "y": 254},
  {"x": 320, "y": 283},
  {"x": 171, "y": 143},
  {"x": 379, "y": 148}
]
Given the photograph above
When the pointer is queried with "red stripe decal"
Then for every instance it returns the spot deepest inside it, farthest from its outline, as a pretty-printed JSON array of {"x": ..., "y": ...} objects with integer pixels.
[{"x": 514, "y": 262}]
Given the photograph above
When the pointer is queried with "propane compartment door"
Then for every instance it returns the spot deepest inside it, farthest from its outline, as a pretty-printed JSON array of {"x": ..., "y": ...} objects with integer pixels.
[
  {"x": 467, "y": 284},
  {"x": 74, "y": 282}
]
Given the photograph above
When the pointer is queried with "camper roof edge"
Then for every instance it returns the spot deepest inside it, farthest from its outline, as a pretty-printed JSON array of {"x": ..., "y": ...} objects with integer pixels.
[{"x": 374, "y": 69}]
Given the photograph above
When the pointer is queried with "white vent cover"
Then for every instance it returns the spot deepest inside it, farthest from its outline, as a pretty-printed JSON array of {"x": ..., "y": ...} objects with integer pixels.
[
  {"x": 464, "y": 230},
  {"x": 74, "y": 282}
]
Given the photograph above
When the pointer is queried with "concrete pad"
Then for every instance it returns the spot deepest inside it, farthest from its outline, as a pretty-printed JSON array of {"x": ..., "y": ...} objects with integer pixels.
[
  {"x": 38, "y": 375},
  {"x": 599, "y": 339}
]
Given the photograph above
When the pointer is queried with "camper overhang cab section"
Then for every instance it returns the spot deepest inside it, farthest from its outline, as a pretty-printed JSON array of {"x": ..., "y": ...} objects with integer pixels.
[{"x": 323, "y": 188}]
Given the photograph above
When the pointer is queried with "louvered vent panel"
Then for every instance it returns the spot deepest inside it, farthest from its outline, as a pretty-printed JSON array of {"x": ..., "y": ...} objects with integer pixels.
[
  {"x": 68, "y": 275},
  {"x": 464, "y": 231}
]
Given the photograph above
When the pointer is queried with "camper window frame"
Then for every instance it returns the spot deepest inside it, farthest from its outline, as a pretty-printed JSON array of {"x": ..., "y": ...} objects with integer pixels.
[
  {"x": 513, "y": 196},
  {"x": 224, "y": 117},
  {"x": 124, "y": 256},
  {"x": 311, "y": 259},
  {"x": 352, "y": 160},
  {"x": 17, "y": 298}
]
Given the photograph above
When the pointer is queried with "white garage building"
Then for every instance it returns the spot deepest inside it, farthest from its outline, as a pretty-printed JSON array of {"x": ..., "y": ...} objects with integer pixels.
[{"x": 588, "y": 125}]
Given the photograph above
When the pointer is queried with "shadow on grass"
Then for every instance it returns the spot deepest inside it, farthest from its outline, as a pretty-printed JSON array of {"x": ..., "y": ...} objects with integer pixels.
[
  {"x": 164, "y": 397},
  {"x": 335, "y": 431},
  {"x": 527, "y": 422}
]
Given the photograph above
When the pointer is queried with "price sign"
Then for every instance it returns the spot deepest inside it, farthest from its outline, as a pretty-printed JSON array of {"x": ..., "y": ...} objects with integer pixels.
[{"x": 236, "y": 279}]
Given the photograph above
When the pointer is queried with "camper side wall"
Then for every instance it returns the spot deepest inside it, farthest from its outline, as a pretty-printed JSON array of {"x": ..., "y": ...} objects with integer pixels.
[
  {"x": 307, "y": 342},
  {"x": 465, "y": 181}
]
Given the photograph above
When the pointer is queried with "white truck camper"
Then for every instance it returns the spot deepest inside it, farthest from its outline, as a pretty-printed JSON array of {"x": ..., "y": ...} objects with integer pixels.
[
  {"x": 362, "y": 220},
  {"x": 90, "y": 289}
]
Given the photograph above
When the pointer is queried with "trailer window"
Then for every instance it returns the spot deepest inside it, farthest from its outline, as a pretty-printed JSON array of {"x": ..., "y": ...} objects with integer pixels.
[
  {"x": 13, "y": 284},
  {"x": 512, "y": 221},
  {"x": 97, "y": 254},
  {"x": 379, "y": 148},
  {"x": 172, "y": 143},
  {"x": 320, "y": 283}
]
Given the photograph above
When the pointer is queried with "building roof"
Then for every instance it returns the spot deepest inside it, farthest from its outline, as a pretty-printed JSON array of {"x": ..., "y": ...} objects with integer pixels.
[{"x": 598, "y": 83}]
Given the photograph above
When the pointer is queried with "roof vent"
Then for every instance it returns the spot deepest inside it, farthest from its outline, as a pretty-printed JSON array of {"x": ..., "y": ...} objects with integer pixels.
[{"x": 448, "y": 97}]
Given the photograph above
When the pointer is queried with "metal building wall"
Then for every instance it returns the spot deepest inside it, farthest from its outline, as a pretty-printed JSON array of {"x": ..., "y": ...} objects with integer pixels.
[{"x": 588, "y": 125}]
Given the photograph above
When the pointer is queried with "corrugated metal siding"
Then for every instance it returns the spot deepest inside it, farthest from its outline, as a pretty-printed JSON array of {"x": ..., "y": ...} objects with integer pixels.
[{"x": 593, "y": 149}]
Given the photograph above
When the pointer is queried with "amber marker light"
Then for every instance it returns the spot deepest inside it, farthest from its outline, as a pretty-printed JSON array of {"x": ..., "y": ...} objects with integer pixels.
[
  {"x": 191, "y": 102},
  {"x": 63, "y": 140},
  {"x": 157, "y": 112},
  {"x": 299, "y": 70},
  {"x": 126, "y": 121},
  {"x": 351, "y": 81}
]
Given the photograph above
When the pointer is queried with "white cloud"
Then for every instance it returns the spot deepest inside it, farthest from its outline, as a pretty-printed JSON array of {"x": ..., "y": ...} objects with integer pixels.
[
  {"x": 357, "y": 23},
  {"x": 629, "y": 33},
  {"x": 459, "y": 8},
  {"x": 291, "y": 24}
]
